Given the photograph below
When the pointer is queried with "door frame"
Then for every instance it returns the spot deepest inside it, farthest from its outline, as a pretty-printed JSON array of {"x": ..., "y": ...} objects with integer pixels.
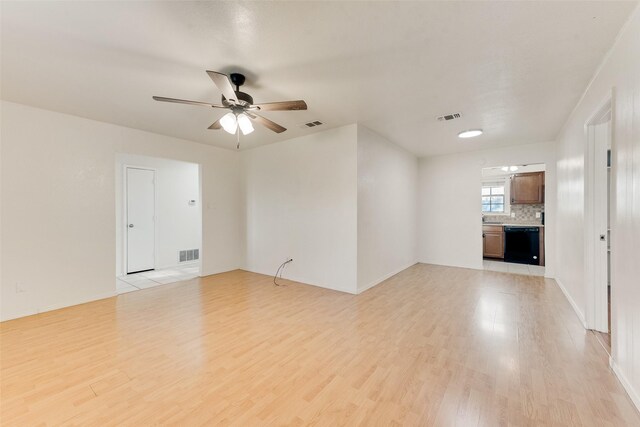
[
  {"x": 596, "y": 314},
  {"x": 125, "y": 213}
]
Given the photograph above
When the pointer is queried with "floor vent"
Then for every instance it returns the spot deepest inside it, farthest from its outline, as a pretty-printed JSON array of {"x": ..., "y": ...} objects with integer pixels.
[
  {"x": 189, "y": 255},
  {"x": 448, "y": 117}
]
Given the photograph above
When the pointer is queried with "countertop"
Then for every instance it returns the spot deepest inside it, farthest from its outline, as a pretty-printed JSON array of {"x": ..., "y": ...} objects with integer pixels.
[{"x": 514, "y": 224}]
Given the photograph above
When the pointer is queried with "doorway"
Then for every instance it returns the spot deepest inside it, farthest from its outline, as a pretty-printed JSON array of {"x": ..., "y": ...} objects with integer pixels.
[
  {"x": 158, "y": 222},
  {"x": 598, "y": 192},
  {"x": 512, "y": 210},
  {"x": 141, "y": 219}
]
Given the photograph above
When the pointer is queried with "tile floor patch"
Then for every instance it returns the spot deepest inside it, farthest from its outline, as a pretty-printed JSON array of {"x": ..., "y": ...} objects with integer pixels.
[
  {"x": 507, "y": 267},
  {"x": 150, "y": 279}
]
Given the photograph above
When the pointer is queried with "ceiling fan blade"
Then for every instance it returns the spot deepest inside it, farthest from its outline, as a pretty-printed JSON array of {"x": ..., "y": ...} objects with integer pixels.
[
  {"x": 282, "y": 106},
  {"x": 224, "y": 84},
  {"x": 185, "y": 101},
  {"x": 215, "y": 125},
  {"x": 266, "y": 122}
]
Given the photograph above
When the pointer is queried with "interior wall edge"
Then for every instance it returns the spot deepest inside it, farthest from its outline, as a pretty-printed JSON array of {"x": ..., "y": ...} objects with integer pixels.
[
  {"x": 385, "y": 277},
  {"x": 387, "y": 213},
  {"x": 619, "y": 72}
]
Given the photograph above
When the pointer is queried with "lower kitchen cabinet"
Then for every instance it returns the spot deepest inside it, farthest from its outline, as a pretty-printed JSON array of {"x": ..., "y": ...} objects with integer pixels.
[{"x": 492, "y": 241}]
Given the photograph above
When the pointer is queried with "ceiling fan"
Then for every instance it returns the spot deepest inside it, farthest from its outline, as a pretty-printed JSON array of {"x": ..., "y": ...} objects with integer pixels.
[{"x": 243, "y": 110}]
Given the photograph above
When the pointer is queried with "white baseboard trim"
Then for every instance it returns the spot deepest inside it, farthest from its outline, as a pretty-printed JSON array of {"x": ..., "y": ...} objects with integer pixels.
[
  {"x": 298, "y": 279},
  {"x": 576, "y": 309},
  {"x": 633, "y": 394},
  {"x": 447, "y": 264},
  {"x": 58, "y": 306},
  {"x": 78, "y": 301},
  {"x": 385, "y": 277}
]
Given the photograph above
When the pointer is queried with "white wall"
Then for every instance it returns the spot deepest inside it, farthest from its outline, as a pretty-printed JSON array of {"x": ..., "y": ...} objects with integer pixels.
[
  {"x": 58, "y": 204},
  {"x": 301, "y": 202},
  {"x": 450, "y": 219},
  {"x": 178, "y": 224},
  {"x": 620, "y": 71},
  {"x": 387, "y": 208}
]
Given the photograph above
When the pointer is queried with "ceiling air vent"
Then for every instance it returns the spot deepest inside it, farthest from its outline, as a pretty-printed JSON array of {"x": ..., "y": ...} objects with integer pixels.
[
  {"x": 312, "y": 124},
  {"x": 448, "y": 117}
]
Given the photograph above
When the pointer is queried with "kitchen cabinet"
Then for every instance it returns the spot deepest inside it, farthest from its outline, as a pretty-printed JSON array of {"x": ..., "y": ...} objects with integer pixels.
[
  {"x": 527, "y": 188},
  {"x": 492, "y": 241}
]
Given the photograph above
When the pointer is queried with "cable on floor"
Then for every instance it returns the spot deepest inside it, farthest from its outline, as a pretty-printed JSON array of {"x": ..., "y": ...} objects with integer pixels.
[{"x": 280, "y": 270}]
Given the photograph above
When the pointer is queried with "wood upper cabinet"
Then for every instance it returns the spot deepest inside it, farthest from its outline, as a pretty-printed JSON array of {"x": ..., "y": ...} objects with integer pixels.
[
  {"x": 492, "y": 241},
  {"x": 527, "y": 188}
]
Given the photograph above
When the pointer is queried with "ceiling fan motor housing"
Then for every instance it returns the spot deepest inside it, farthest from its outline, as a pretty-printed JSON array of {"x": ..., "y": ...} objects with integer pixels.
[{"x": 242, "y": 99}]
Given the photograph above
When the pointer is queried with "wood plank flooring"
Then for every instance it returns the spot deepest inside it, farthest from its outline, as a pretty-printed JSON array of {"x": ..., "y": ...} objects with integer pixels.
[{"x": 431, "y": 346}]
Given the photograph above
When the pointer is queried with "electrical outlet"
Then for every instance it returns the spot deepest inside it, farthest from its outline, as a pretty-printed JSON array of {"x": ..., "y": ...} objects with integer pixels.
[
  {"x": 513, "y": 214},
  {"x": 537, "y": 214},
  {"x": 20, "y": 288}
]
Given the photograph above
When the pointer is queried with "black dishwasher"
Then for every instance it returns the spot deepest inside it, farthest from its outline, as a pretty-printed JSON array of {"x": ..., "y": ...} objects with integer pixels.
[{"x": 522, "y": 245}]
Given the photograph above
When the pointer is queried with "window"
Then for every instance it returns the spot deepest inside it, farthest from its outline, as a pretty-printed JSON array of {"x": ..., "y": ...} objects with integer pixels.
[{"x": 493, "y": 198}]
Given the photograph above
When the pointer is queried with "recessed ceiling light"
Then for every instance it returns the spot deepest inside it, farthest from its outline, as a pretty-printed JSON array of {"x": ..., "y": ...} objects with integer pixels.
[{"x": 470, "y": 133}]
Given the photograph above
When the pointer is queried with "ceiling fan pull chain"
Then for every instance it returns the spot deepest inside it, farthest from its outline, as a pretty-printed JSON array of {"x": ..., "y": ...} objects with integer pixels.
[{"x": 238, "y": 136}]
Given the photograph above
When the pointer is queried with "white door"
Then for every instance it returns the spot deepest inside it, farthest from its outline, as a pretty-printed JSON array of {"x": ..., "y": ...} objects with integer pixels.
[
  {"x": 602, "y": 134},
  {"x": 140, "y": 224}
]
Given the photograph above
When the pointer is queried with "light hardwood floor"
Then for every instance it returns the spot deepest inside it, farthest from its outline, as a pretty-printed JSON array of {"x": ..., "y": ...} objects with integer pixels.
[{"x": 430, "y": 346}]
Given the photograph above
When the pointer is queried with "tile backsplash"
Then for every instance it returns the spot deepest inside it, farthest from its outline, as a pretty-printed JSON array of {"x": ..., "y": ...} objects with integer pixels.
[{"x": 525, "y": 214}]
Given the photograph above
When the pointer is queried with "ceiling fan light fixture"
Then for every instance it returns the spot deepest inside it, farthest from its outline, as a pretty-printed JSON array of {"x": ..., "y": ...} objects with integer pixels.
[
  {"x": 470, "y": 133},
  {"x": 229, "y": 123},
  {"x": 243, "y": 110},
  {"x": 245, "y": 124}
]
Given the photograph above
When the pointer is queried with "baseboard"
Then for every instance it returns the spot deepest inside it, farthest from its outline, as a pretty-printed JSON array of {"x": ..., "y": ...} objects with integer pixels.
[
  {"x": 444, "y": 264},
  {"x": 299, "y": 279},
  {"x": 385, "y": 277},
  {"x": 62, "y": 305},
  {"x": 577, "y": 310},
  {"x": 633, "y": 394}
]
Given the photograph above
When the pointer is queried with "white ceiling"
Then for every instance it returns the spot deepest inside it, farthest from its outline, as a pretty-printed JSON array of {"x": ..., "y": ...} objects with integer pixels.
[{"x": 515, "y": 69}]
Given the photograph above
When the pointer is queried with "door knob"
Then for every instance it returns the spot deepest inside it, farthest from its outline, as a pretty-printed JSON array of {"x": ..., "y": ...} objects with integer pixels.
[
  {"x": 130, "y": 225},
  {"x": 602, "y": 237}
]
